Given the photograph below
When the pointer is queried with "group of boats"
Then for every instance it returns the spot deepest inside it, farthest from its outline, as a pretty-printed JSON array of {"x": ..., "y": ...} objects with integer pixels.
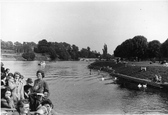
[{"x": 137, "y": 83}]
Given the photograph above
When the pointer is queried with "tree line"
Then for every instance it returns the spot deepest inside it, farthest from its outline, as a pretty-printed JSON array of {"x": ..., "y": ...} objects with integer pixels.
[
  {"x": 55, "y": 50},
  {"x": 138, "y": 47}
]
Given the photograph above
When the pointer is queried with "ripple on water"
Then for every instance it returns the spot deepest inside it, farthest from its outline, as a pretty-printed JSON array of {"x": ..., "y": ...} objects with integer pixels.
[{"x": 75, "y": 91}]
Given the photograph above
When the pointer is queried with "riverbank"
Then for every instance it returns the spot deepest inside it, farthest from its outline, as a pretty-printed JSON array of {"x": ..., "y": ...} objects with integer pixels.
[
  {"x": 10, "y": 55},
  {"x": 133, "y": 69}
]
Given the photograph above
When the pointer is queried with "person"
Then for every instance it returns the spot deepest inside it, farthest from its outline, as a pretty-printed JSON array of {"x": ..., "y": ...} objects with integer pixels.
[
  {"x": 41, "y": 111},
  {"x": 46, "y": 94},
  {"x": 21, "y": 79},
  {"x": 35, "y": 100},
  {"x": 27, "y": 88},
  {"x": 17, "y": 88},
  {"x": 9, "y": 78},
  {"x": 37, "y": 90},
  {"x": 7, "y": 71},
  {"x": 39, "y": 84},
  {"x": 23, "y": 107},
  {"x": 2, "y": 68},
  {"x": 159, "y": 78},
  {"x": 3, "y": 81},
  {"x": 7, "y": 100},
  {"x": 46, "y": 108}
]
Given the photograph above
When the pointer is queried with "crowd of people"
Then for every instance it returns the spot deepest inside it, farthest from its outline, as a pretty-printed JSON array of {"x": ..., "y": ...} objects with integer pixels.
[{"x": 25, "y": 96}]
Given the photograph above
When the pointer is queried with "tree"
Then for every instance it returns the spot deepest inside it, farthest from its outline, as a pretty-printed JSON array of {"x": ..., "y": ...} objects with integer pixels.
[
  {"x": 140, "y": 47},
  {"x": 28, "y": 56},
  {"x": 164, "y": 49},
  {"x": 43, "y": 46},
  {"x": 135, "y": 47},
  {"x": 84, "y": 53},
  {"x": 17, "y": 43},
  {"x": 52, "y": 53},
  {"x": 74, "y": 52},
  {"x": 7, "y": 45},
  {"x": 105, "y": 51},
  {"x": 154, "y": 49}
]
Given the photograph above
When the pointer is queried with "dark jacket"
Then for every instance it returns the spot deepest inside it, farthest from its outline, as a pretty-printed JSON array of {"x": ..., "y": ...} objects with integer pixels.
[{"x": 40, "y": 86}]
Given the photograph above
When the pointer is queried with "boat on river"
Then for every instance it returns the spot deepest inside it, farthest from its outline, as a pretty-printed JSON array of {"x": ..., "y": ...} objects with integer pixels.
[
  {"x": 129, "y": 80},
  {"x": 42, "y": 63}
]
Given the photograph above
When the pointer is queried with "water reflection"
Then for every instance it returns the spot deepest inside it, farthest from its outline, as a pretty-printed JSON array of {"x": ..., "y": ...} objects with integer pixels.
[{"x": 75, "y": 91}]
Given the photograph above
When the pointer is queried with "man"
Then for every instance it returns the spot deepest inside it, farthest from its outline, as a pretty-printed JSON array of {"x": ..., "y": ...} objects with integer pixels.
[
  {"x": 46, "y": 108},
  {"x": 22, "y": 108}
]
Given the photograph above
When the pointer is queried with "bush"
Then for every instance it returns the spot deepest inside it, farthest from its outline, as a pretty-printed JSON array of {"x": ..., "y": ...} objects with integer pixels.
[{"x": 29, "y": 56}]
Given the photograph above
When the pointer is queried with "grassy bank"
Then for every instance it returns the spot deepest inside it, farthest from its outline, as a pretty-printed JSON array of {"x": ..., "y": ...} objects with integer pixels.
[
  {"x": 133, "y": 69},
  {"x": 10, "y": 55}
]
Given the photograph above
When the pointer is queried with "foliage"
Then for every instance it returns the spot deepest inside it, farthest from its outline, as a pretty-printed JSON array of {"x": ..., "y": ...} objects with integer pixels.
[
  {"x": 139, "y": 47},
  {"x": 43, "y": 46},
  {"x": 105, "y": 51},
  {"x": 84, "y": 53},
  {"x": 154, "y": 49},
  {"x": 7, "y": 45},
  {"x": 29, "y": 56},
  {"x": 135, "y": 47},
  {"x": 52, "y": 53},
  {"x": 164, "y": 49}
]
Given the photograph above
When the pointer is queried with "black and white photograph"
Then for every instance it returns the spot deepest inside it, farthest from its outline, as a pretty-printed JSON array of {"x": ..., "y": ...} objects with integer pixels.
[{"x": 84, "y": 57}]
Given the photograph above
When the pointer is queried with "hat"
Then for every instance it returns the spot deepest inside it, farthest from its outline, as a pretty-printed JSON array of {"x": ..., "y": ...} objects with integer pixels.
[{"x": 29, "y": 80}]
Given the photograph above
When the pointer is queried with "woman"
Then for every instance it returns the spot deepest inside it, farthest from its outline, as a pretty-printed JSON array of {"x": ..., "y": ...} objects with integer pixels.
[
  {"x": 7, "y": 100},
  {"x": 39, "y": 84},
  {"x": 38, "y": 89},
  {"x": 22, "y": 107},
  {"x": 17, "y": 87}
]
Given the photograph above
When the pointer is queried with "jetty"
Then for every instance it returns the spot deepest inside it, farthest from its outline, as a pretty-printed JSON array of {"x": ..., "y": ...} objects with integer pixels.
[{"x": 126, "y": 80}]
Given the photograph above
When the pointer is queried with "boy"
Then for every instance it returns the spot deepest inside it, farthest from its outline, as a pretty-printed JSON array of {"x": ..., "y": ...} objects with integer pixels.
[{"x": 28, "y": 87}]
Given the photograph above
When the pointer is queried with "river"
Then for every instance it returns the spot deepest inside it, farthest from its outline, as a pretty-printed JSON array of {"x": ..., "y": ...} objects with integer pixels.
[{"x": 75, "y": 91}]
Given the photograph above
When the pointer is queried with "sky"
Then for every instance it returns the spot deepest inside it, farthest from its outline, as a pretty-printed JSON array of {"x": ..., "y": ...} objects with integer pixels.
[{"x": 83, "y": 23}]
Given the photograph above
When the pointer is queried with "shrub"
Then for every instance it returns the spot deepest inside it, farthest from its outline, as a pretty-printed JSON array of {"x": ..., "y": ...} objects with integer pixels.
[{"x": 29, "y": 56}]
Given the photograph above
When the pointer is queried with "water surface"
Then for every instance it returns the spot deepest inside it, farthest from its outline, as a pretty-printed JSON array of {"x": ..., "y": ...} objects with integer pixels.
[{"x": 75, "y": 91}]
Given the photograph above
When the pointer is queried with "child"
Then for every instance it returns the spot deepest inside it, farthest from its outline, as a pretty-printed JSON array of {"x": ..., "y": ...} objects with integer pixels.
[{"x": 28, "y": 87}]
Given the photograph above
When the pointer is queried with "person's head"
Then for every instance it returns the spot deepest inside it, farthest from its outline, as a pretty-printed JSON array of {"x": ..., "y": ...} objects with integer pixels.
[
  {"x": 10, "y": 76},
  {"x": 29, "y": 81},
  {"x": 7, "y": 70},
  {"x": 21, "y": 77},
  {"x": 2, "y": 64},
  {"x": 41, "y": 111},
  {"x": 3, "y": 76},
  {"x": 16, "y": 76},
  {"x": 23, "y": 106},
  {"x": 48, "y": 104},
  {"x": 46, "y": 94},
  {"x": 40, "y": 74},
  {"x": 7, "y": 93}
]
